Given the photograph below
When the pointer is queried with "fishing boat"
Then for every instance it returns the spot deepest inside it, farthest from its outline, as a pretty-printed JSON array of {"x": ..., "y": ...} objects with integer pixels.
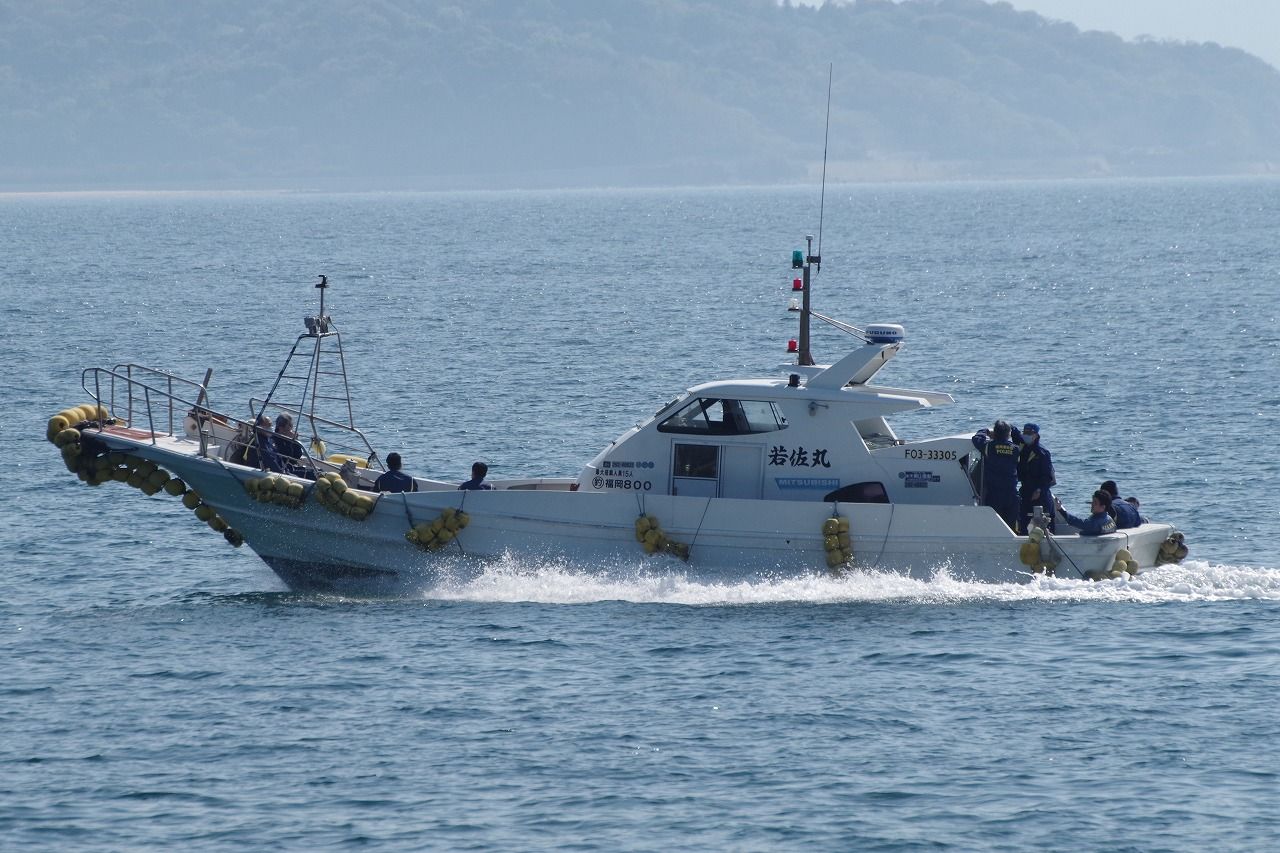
[{"x": 787, "y": 474}]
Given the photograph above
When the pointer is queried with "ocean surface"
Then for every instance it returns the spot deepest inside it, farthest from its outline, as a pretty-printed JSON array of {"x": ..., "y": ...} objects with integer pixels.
[{"x": 163, "y": 691}]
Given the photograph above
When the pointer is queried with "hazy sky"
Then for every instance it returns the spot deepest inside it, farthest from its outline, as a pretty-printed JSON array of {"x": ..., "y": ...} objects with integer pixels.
[{"x": 1253, "y": 25}]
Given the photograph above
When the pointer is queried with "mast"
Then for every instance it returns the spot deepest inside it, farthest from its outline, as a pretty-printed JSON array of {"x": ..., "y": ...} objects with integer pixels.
[
  {"x": 805, "y": 261},
  {"x": 809, "y": 259},
  {"x": 320, "y": 347}
]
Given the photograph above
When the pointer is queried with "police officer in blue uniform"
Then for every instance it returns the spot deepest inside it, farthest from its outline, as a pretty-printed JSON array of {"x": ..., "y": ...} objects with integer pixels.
[
  {"x": 999, "y": 471},
  {"x": 1125, "y": 513},
  {"x": 1035, "y": 476}
]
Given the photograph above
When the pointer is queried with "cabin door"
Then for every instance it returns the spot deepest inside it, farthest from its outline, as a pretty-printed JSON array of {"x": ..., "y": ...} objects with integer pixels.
[
  {"x": 741, "y": 471},
  {"x": 695, "y": 470}
]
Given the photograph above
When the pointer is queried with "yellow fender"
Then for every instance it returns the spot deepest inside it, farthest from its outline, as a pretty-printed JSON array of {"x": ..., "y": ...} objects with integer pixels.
[
  {"x": 332, "y": 493},
  {"x": 440, "y": 531},
  {"x": 339, "y": 458},
  {"x": 836, "y": 541},
  {"x": 650, "y": 536}
]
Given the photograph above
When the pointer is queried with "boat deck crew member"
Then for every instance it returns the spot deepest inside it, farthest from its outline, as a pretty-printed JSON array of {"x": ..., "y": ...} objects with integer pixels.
[
  {"x": 263, "y": 454},
  {"x": 1035, "y": 474},
  {"x": 999, "y": 471},
  {"x": 1137, "y": 507},
  {"x": 1099, "y": 522},
  {"x": 1125, "y": 513},
  {"x": 394, "y": 480},
  {"x": 285, "y": 443},
  {"x": 478, "y": 472}
]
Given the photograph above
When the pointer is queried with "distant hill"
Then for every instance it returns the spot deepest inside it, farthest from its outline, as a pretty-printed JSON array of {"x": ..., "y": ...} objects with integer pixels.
[{"x": 421, "y": 94}]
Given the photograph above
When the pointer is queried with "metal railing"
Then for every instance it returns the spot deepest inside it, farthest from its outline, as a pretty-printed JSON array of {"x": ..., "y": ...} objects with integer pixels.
[
  {"x": 139, "y": 383},
  {"x": 133, "y": 392}
]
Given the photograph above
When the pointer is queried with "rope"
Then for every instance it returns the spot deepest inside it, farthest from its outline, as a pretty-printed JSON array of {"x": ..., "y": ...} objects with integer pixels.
[
  {"x": 233, "y": 474},
  {"x": 1054, "y": 542},
  {"x": 706, "y": 506},
  {"x": 885, "y": 542}
]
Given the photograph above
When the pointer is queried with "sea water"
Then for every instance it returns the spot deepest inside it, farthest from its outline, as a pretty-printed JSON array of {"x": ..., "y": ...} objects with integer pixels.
[{"x": 162, "y": 690}]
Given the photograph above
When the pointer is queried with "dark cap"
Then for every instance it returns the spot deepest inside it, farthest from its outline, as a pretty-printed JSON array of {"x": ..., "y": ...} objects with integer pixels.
[{"x": 1031, "y": 428}]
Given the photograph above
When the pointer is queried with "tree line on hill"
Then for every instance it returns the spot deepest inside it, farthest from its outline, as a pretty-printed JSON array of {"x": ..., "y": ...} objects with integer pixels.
[{"x": 407, "y": 93}]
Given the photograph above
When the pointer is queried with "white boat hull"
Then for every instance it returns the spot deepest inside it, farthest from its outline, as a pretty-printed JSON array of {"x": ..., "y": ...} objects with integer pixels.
[{"x": 312, "y": 548}]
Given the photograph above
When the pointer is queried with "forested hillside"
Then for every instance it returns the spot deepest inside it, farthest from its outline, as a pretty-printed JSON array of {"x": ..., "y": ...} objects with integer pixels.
[{"x": 416, "y": 93}]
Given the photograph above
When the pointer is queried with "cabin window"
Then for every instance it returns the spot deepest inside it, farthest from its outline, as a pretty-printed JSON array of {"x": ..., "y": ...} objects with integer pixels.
[
  {"x": 876, "y": 433},
  {"x": 715, "y": 416},
  {"x": 860, "y": 493},
  {"x": 697, "y": 460}
]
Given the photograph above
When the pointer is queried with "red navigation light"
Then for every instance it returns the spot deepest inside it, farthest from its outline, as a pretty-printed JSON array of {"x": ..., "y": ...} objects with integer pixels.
[
  {"x": 793, "y": 346},
  {"x": 797, "y": 284}
]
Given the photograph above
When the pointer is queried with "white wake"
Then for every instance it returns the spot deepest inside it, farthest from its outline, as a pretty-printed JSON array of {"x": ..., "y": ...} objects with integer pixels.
[{"x": 512, "y": 580}]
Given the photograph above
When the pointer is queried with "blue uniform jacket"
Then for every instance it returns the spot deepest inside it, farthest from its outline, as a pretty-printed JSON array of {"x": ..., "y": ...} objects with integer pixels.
[
  {"x": 395, "y": 481},
  {"x": 999, "y": 465},
  {"x": 1126, "y": 514},
  {"x": 1035, "y": 469},
  {"x": 268, "y": 459},
  {"x": 474, "y": 485},
  {"x": 1095, "y": 525}
]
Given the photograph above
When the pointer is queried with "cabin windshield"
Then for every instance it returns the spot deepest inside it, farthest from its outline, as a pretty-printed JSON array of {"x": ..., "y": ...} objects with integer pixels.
[
  {"x": 716, "y": 416},
  {"x": 876, "y": 433}
]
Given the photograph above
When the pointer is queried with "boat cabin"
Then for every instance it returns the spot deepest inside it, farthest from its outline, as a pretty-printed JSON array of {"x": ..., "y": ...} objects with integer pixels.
[{"x": 819, "y": 434}]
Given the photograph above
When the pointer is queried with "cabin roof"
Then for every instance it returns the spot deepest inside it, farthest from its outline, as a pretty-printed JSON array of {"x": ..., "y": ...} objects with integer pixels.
[{"x": 880, "y": 399}]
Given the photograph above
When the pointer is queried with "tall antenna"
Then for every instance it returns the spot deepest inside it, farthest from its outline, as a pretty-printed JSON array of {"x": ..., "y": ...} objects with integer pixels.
[
  {"x": 807, "y": 261},
  {"x": 826, "y": 134}
]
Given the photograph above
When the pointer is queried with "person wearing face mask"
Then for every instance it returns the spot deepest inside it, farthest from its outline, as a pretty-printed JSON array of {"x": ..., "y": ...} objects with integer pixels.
[{"x": 1035, "y": 476}]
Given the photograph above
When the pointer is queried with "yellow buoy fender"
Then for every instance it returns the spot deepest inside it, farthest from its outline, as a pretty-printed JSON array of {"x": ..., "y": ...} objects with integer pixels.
[
  {"x": 653, "y": 540},
  {"x": 340, "y": 458},
  {"x": 333, "y": 494},
  {"x": 836, "y": 541},
  {"x": 57, "y": 424},
  {"x": 94, "y": 465},
  {"x": 1172, "y": 550},
  {"x": 435, "y": 534},
  {"x": 67, "y": 436},
  {"x": 277, "y": 490}
]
